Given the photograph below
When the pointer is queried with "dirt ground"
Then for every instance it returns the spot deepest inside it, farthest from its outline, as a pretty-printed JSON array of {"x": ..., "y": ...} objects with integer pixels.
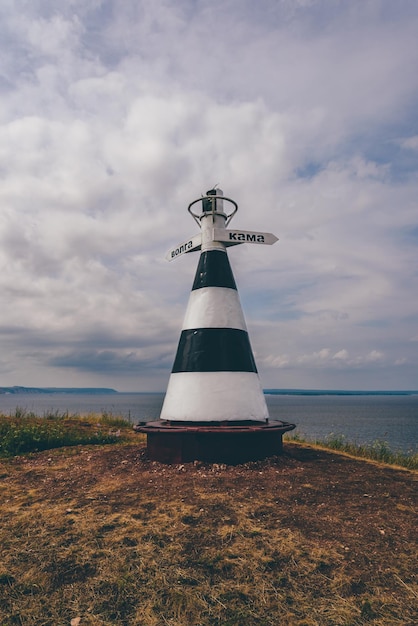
[{"x": 105, "y": 536}]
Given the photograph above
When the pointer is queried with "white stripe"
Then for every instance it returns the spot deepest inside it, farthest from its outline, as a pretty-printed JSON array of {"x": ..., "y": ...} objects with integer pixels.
[
  {"x": 213, "y": 245},
  {"x": 207, "y": 224},
  {"x": 214, "y": 307},
  {"x": 214, "y": 396}
]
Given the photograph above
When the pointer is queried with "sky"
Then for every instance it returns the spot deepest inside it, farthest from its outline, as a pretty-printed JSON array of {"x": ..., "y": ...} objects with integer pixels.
[{"x": 115, "y": 116}]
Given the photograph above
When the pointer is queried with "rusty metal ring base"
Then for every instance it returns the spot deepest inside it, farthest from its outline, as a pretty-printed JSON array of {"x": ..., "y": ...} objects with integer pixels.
[{"x": 213, "y": 442}]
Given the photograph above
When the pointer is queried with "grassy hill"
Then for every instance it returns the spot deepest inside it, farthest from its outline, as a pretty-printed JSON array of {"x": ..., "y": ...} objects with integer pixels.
[{"x": 100, "y": 535}]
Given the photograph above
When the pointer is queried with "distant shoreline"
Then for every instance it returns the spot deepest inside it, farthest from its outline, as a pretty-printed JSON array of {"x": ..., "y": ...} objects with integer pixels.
[
  {"x": 25, "y": 390},
  {"x": 336, "y": 392},
  {"x": 15, "y": 390}
]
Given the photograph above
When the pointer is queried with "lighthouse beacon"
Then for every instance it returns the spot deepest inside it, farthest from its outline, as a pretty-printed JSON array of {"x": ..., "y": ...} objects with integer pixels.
[
  {"x": 214, "y": 376},
  {"x": 214, "y": 408}
]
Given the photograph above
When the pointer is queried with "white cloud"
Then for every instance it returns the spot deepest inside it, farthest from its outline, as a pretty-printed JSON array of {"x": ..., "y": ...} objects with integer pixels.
[
  {"x": 113, "y": 119},
  {"x": 324, "y": 358},
  {"x": 410, "y": 143},
  {"x": 341, "y": 355}
]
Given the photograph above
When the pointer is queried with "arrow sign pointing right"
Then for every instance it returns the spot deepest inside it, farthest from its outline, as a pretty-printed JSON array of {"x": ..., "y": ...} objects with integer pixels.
[{"x": 235, "y": 237}]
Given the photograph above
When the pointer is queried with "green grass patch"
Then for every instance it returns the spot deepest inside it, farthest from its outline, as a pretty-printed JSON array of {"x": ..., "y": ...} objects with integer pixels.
[
  {"x": 377, "y": 451},
  {"x": 108, "y": 419},
  {"x": 24, "y": 432}
]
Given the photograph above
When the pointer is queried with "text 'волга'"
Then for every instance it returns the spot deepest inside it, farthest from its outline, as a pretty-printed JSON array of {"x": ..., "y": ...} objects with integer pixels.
[{"x": 181, "y": 249}]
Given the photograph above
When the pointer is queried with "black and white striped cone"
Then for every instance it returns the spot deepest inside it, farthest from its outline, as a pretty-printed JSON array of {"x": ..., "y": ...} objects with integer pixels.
[
  {"x": 214, "y": 376},
  {"x": 214, "y": 408}
]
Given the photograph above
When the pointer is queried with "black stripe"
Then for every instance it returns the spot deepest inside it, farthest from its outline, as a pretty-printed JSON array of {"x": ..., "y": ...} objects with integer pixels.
[
  {"x": 214, "y": 350},
  {"x": 214, "y": 271}
]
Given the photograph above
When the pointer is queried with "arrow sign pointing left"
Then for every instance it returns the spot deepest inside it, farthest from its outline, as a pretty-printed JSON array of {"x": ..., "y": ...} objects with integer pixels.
[{"x": 194, "y": 243}]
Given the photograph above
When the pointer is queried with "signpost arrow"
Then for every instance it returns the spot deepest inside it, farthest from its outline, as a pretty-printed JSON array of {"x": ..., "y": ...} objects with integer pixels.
[
  {"x": 194, "y": 243},
  {"x": 235, "y": 237}
]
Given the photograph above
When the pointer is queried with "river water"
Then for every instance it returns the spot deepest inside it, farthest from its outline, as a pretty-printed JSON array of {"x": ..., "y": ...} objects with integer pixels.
[{"x": 359, "y": 418}]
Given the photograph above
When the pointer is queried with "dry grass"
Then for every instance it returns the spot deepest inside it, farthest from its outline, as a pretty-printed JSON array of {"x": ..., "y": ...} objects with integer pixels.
[
  {"x": 379, "y": 451},
  {"x": 104, "y": 535}
]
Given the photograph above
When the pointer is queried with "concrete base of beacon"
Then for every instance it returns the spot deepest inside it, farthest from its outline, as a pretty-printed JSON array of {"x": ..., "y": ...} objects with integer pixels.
[{"x": 213, "y": 442}]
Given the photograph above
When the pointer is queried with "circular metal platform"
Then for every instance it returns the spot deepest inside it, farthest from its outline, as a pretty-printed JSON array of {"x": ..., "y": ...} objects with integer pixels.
[{"x": 213, "y": 442}]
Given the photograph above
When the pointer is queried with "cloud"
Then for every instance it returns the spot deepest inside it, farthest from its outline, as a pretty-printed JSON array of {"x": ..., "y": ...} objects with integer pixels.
[
  {"x": 110, "y": 361},
  {"x": 114, "y": 118},
  {"x": 410, "y": 143},
  {"x": 324, "y": 358}
]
